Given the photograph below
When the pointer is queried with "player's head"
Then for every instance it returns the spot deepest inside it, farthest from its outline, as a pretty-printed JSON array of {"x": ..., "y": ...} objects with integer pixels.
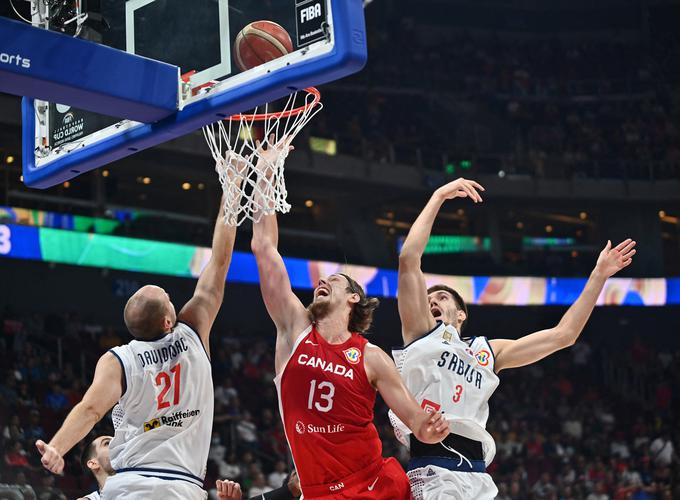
[
  {"x": 149, "y": 313},
  {"x": 95, "y": 458},
  {"x": 339, "y": 293},
  {"x": 448, "y": 306}
]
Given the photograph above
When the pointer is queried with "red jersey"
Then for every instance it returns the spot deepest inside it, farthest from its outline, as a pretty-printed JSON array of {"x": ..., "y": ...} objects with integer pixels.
[{"x": 326, "y": 403}]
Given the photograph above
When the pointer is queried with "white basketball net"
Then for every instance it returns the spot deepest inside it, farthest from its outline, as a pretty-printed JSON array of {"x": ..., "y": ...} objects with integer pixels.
[{"x": 251, "y": 171}]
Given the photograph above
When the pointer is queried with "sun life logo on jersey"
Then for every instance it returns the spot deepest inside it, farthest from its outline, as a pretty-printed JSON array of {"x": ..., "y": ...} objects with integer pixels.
[
  {"x": 446, "y": 336},
  {"x": 353, "y": 355},
  {"x": 483, "y": 357},
  {"x": 430, "y": 406},
  {"x": 300, "y": 427}
]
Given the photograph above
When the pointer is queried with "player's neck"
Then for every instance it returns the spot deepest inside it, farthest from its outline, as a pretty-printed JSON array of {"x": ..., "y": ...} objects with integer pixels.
[
  {"x": 333, "y": 328},
  {"x": 101, "y": 479}
]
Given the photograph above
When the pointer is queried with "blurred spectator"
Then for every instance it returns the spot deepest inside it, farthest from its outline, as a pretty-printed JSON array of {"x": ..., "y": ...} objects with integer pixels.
[
  {"x": 16, "y": 455},
  {"x": 278, "y": 475},
  {"x": 13, "y": 430},
  {"x": 48, "y": 490},
  {"x": 56, "y": 399},
  {"x": 258, "y": 486},
  {"x": 661, "y": 450}
]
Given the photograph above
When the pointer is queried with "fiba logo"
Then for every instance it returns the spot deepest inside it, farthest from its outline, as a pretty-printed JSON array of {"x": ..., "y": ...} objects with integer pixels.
[
  {"x": 68, "y": 118},
  {"x": 300, "y": 427},
  {"x": 352, "y": 355},
  {"x": 483, "y": 358}
]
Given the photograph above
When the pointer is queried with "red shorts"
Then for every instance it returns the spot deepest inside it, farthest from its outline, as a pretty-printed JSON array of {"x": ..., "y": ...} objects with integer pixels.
[{"x": 385, "y": 480}]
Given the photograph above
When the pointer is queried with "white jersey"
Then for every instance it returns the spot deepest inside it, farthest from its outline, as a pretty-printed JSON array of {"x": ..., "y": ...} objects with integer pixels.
[
  {"x": 167, "y": 408},
  {"x": 93, "y": 496},
  {"x": 452, "y": 375}
]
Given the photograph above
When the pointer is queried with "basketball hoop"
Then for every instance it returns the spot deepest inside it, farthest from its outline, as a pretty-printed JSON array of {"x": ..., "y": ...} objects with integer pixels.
[{"x": 249, "y": 160}]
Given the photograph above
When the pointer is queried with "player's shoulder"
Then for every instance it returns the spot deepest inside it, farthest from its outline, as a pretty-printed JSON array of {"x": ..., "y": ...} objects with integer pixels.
[{"x": 472, "y": 339}]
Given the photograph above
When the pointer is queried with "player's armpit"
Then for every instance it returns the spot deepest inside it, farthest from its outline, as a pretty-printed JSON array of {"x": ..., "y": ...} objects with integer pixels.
[{"x": 200, "y": 313}]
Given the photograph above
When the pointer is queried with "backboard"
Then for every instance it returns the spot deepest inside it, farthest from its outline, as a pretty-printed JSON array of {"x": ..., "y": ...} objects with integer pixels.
[{"x": 61, "y": 142}]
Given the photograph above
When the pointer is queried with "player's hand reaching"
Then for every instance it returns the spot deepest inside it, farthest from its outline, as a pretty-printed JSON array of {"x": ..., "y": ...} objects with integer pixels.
[
  {"x": 267, "y": 157},
  {"x": 433, "y": 429},
  {"x": 460, "y": 188},
  {"x": 612, "y": 260},
  {"x": 51, "y": 459},
  {"x": 228, "y": 490}
]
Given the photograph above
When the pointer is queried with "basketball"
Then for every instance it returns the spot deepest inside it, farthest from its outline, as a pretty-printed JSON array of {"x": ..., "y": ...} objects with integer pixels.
[{"x": 261, "y": 42}]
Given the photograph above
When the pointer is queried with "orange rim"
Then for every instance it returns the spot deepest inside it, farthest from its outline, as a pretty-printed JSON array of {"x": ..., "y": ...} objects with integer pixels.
[{"x": 281, "y": 114}]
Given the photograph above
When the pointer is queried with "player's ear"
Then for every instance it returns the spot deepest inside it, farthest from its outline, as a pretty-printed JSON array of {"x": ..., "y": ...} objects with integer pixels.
[
  {"x": 93, "y": 464},
  {"x": 462, "y": 316},
  {"x": 167, "y": 323},
  {"x": 354, "y": 298}
]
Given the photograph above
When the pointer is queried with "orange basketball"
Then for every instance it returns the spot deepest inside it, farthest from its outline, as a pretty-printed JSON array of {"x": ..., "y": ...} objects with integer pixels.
[{"x": 260, "y": 42}]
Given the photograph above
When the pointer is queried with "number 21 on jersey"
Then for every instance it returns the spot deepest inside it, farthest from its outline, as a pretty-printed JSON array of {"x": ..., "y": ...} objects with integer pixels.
[{"x": 165, "y": 381}]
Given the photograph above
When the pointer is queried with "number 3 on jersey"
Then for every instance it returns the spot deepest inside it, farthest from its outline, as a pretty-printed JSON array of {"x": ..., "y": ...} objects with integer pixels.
[
  {"x": 458, "y": 393},
  {"x": 163, "y": 379},
  {"x": 325, "y": 395}
]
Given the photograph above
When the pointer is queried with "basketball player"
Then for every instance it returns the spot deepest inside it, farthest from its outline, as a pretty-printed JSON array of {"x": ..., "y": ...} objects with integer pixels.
[
  {"x": 162, "y": 383},
  {"x": 327, "y": 375},
  {"x": 458, "y": 375},
  {"x": 95, "y": 458}
]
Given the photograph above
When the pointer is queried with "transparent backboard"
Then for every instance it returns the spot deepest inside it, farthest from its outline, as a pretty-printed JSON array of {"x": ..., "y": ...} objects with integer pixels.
[{"x": 198, "y": 36}]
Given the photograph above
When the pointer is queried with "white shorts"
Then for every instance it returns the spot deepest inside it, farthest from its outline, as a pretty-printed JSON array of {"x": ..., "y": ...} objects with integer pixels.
[
  {"x": 130, "y": 486},
  {"x": 434, "y": 483}
]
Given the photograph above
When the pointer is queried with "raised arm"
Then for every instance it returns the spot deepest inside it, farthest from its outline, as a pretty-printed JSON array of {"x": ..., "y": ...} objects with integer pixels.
[
  {"x": 105, "y": 391},
  {"x": 201, "y": 310},
  {"x": 538, "y": 345},
  {"x": 289, "y": 314},
  {"x": 414, "y": 310},
  {"x": 383, "y": 375}
]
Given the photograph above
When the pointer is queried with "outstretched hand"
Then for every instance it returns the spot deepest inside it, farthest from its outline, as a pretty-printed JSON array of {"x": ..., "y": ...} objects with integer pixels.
[
  {"x": 612, "y": 260},
  {"x": 272, "y": 152},
  {"x": 460, "y": 188},
  {"x": 51, "y": 459}
]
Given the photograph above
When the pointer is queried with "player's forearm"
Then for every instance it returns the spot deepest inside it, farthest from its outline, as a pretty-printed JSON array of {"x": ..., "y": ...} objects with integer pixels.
[
  {"x": 223, "y": 242},
  {"x": 574, "y": 320},
  {"x": 420, "y": 231},
  {"x": 77, "y": 425},
  {"x": 265, "y": 234}
]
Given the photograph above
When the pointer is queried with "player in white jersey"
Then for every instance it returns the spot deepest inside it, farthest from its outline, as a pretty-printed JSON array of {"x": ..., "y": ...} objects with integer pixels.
[
  {"x": 162, "y": 382},
  {"x": 95, "y": 458},
  {"x": 456, "y": 375}
]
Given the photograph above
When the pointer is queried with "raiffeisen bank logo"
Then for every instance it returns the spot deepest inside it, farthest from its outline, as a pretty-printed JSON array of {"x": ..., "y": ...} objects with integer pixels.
[{"x": 15, "y": 59}]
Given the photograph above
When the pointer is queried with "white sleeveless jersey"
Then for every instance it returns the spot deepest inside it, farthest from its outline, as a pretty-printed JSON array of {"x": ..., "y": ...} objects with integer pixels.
[
  {"x": 452, "y": 375},
  {"x": 165, "y": 425}
]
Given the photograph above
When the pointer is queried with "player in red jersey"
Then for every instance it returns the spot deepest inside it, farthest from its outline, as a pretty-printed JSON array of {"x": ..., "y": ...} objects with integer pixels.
[{"x": 327, "y": 375}]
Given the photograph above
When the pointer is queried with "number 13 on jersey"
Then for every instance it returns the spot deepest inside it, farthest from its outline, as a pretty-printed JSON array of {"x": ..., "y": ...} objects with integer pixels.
[
  {"x": 321, "y": 396},
  {"x": 166, "y": 382}
]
